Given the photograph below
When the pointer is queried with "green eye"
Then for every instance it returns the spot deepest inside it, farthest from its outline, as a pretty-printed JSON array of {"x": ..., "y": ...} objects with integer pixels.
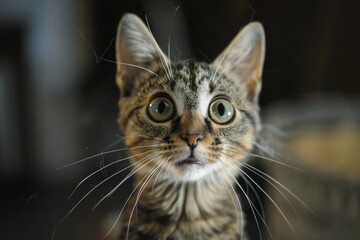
[
  {"x": 221, "y": 111},
  {"x": 161, "y": 109}
]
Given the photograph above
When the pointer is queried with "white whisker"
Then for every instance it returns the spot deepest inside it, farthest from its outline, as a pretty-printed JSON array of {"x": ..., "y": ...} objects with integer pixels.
[
  {"x": 268, "y": 196},
  {"x": 169, "y": 55},
  {"x": 87, "y": 194},
  {"x": 275, "y": 130},
  {"x": 106, "y": 166},
  {"x": 148, "y": 177},
  {"x": 103, "y": 153},
  {"x": 130, "y": 65},
  {"x": 232, "y": 198},
  {"x": 260, "y": 173},
  {"x": 251, "y": 204},
  {"x": 122, "y": 209},
  {"x": 222, "y": 59},
  {"x": 166, "y": 161},
  {"x": 101, "y": 58},
  {"x": 97, "y": 58},
  {"x": 266, "y": 149},
  {"x": 162, "y": 58},
  {"x": 248, "y": 184},
  {"x": 252, "y": 15},
  {"x": 275, "y": 161},
  {"x": 254, "y": 210},
  {"x": 134, "y": 171}
]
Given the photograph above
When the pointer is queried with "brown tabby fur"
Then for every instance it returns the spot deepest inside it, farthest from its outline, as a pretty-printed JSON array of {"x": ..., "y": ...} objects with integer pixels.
[{"x": 175, "y": 200}]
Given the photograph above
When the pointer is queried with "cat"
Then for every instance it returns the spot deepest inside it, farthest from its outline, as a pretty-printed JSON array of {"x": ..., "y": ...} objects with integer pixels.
[{"x": 190, "y": 126}]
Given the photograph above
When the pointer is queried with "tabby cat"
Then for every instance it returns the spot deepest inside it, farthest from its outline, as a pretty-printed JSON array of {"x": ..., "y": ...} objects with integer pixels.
[{"x": 189, "y": 126}]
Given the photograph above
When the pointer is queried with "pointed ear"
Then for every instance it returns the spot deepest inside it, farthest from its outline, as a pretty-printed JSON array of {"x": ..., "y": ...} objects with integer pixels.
[
  {"x": 136, "y": 50},
  {"x": 243, "y": 59}
]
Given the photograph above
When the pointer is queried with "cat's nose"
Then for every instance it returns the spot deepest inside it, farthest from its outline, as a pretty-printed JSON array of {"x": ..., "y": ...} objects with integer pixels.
[{"x": 192, "y": 139}]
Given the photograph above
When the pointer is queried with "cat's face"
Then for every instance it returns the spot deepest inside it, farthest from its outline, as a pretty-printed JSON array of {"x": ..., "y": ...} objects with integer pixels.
[{"x": 187, "y": 119}]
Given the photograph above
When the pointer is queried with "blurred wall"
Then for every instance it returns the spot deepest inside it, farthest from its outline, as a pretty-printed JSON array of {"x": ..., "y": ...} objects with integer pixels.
[
  {"x": 58, "y": 99},
  {"x": 42, "y": 68}
]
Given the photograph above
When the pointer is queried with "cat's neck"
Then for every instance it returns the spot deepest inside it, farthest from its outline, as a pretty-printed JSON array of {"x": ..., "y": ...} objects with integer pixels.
[
  {"x": 192, "y": 201},
  {"x": 204, "y": 209}
]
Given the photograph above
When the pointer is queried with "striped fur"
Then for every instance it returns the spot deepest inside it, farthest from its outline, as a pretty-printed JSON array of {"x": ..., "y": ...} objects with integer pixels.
[{"x": 173, "y": 200}]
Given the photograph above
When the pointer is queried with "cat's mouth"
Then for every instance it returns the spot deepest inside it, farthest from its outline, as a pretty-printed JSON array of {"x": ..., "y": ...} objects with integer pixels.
[{"x": 189, "y": 161}]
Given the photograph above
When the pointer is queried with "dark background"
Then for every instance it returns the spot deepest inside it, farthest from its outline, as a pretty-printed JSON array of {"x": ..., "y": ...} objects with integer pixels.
[{"x": 58, "y": 99}]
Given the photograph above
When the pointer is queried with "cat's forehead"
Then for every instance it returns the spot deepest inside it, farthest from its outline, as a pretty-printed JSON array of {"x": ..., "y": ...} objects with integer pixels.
[
  {"x": 191, "y": 84},
  {"x": 192, "y": 77},
  {"x": 193, "y": 74}
]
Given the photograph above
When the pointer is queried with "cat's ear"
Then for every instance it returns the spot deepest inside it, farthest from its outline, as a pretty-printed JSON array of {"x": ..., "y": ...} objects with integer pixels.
[
  {"x": 243, "y": 59},
  {"x": 136, "y": 50}
]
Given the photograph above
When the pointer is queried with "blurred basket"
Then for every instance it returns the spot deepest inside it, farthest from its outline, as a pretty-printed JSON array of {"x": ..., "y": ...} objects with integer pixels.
[{"x": 322, "y": 138}]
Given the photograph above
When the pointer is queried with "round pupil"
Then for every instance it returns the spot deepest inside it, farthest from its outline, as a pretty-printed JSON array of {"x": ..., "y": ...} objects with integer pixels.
[
  {"x": 161, "y": 107},
  {"x": 221, "y": 109}
]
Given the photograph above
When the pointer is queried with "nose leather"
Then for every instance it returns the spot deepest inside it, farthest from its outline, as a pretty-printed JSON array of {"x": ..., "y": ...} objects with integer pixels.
[{"x": 192, "y": 140}]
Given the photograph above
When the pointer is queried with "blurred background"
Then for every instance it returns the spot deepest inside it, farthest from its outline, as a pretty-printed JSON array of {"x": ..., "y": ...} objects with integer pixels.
[{"x": 58, "y": 105}]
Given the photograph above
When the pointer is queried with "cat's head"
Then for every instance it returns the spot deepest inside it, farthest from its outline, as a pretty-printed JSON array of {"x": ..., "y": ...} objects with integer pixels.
[{"x": 187, "y": 119}]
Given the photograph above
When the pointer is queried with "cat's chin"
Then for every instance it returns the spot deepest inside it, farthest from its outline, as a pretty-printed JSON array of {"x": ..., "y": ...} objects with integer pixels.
[{"x": 192, "y": 169}]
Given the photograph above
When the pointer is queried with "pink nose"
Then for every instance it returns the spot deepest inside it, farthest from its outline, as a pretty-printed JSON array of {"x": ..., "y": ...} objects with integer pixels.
[{"x": 192, "y": 139}]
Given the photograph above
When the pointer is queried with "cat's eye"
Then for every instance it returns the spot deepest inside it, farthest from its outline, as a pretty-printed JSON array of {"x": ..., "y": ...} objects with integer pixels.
[
  {"x": 161, "y": 109},
  {"x": 221, "y": 111}
]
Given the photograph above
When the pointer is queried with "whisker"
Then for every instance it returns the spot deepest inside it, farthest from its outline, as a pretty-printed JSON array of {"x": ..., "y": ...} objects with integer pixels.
[
  {"x": 149, "y": 175},
  {"x": 222, "y": 59},
  {"x": 252, "y": 15},
  {"x": 252, "y": 205},
  {"x": 101, "y": 58},
  {"x": 156, "y": 167},
  {"x": 160, "y": 53},
  {"x": 254, "y": 210},
  {"x": 259, "y": 172},
  {"x": 268, "y": 196},
  {"x": 97, "y": 58},
  {"x": 87, "y": 194},
  {"x": 266, "y": 149},
  {"x": 101, "y": 154},
  {"x": 166, "y": 163},
  {"x": 169, "y": 55},
  {"x": 256, "y": 195},
  {"x": 275, "y": 130},
  {"x": 106, "y": 166},
  {"x": 119, "y": 215},
  {"x": 234, "y": 150},
  {"x": 276, "y": 161},
  {"x": 248, "y": 184},
  {"x": 122, "y": 209},
  {"x": 130, "y": 65},
  {"x": 232, "y": 198},
  {"x": 125, "y": 179}
]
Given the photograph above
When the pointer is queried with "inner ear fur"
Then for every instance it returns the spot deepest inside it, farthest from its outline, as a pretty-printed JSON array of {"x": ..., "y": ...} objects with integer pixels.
[{"x": 243, "y": 59}]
